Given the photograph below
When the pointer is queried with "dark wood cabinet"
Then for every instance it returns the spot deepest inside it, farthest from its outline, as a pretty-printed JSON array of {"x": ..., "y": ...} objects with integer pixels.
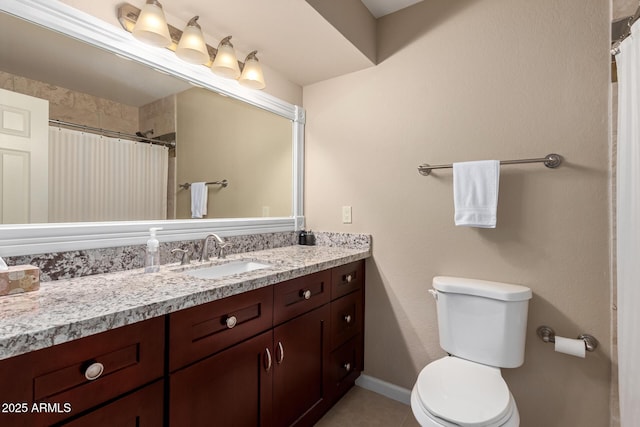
[
  {"x": 346, "y": 279},
  {"x": 346, "y": 361},
  {"x": 206, "y": 329},
  {"x": 64, "y": 381},
  {"x": 301, "y": 348},
  {"x": 345, "y": 365},
  {"x": 346, "y": 318},
  {"x": 143, "y": 408},
  {"x": 231, "y": 388},
  {"x": 275, "y": 379},
  {"x": 276, "y": 356},
  {"x": 295, "y": 297}
]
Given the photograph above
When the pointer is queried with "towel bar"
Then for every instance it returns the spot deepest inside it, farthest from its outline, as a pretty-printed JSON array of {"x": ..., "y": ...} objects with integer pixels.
[
  {"x": 222, "y": 183},
  {"x": 550, "y": 161}
]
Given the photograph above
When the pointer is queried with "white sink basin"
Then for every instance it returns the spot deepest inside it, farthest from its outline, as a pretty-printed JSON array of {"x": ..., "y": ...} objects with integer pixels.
[{"x": 228, "y": 269}]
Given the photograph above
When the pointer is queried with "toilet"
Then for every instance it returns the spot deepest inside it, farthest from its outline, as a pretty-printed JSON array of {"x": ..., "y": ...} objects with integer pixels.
[{"x": 482, "y": 326}]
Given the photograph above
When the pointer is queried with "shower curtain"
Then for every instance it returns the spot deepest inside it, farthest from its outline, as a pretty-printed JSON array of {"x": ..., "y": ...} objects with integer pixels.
[
  {"x": 98, "y": 178},
  {"x": 628, "y": 227}
]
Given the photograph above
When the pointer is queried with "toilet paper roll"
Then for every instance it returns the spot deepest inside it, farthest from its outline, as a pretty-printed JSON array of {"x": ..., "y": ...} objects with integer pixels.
[{"x": 570, "y": 346}]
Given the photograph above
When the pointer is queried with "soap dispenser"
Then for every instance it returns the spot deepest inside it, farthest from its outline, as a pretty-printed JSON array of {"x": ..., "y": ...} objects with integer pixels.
[{"x": 152, "y": 256}]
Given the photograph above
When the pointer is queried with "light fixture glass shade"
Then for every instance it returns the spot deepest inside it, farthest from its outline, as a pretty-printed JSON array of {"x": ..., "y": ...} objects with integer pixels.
[
  {"x": 252, "y": 76},
  {"x": 192, "y": 47},
  {"x": 151, "y": 26},
  {"x": 225, "y": 63}
]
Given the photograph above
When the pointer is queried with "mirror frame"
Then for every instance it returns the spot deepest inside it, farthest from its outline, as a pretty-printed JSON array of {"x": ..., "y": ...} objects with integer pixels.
[{"x": 28, "y": 239}]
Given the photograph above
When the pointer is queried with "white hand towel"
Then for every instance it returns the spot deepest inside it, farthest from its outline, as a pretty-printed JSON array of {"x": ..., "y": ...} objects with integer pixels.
[
  {"x": 475, "y": 193},
  {"x": 199, "y": 195}
]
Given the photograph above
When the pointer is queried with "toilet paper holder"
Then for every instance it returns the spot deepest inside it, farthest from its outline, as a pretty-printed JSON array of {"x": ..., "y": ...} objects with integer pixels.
[{"x": 547, "y": 334}]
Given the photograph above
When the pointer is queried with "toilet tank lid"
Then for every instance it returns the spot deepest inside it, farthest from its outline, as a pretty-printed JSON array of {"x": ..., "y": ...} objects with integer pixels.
[{"x": 482, "y": 288}]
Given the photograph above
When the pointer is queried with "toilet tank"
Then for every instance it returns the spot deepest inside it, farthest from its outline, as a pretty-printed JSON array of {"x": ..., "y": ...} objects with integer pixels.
[{"x": 482, "y": 321}]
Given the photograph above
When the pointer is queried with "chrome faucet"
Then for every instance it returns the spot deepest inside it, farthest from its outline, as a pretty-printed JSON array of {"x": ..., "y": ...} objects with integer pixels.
[
  {"x": 221, "y": 247},
  {"x": 185, "y": 258}
]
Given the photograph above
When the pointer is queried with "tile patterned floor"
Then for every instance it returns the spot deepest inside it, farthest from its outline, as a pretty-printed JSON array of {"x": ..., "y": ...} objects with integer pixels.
[{"x": 364, "y": 408}]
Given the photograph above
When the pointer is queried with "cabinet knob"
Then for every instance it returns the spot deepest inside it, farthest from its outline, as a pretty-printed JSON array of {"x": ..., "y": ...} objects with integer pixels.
[
  {"x": 347, "y": 278},
  {"x": 347, "y": 318},
  {"x": 305, "y": 294},
  {"x": 231, "y": 321},
  {"x": 347, "y": 367},
  {"x": 94, "y": 371}
]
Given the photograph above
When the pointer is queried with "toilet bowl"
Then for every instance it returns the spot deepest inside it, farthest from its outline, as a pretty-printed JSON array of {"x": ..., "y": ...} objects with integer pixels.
[
  {"x": 482, "y": 326},
  {"x": 453, "y": 392}
]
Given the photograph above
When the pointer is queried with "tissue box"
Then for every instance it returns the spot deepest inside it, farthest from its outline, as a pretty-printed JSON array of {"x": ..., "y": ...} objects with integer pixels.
[{"x": 18, "y": 279}]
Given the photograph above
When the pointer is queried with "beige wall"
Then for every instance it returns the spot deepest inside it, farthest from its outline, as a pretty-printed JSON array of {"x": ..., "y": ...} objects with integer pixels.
[
  {"x": 76, "y": 107},
  {"x": 471, "y": 80},
  {"x": 353, "y": 20},
  {"x": 159, "y": 115},
  {"x": 221, "y": 138}
]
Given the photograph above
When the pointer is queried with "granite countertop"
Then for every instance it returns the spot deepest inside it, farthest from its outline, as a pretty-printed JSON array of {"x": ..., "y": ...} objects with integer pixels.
[{"x": 66, "y": 310}]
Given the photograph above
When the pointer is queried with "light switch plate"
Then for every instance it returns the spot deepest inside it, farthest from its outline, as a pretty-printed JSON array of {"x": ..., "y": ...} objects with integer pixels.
[{"x": 346, "y": 214}]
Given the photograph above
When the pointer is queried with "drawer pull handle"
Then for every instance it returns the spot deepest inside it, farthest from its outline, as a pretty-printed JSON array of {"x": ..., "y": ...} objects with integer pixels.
[
  {"x": 305, "y": 294},
  {"x": 347, "y": 278},
  {"x": 347, "y": 367},
  {"x": 347, "y": 318},
  {"x": 94, "y": 371},
  {"x": 267, "y": 368},
  {"x": 280, "y": 357},
  {"x": 231, "y": 322}
]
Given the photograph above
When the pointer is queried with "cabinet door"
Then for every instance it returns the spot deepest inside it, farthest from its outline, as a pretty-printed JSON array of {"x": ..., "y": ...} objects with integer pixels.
[
  {"x": 144, "y": 408},
  {"x": 229, "y": 389},
  {"x": 301, "y": 351}
]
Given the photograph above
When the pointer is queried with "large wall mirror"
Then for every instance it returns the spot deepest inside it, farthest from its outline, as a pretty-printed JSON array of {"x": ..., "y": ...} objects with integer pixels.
[{"x": 246, "y": 144}]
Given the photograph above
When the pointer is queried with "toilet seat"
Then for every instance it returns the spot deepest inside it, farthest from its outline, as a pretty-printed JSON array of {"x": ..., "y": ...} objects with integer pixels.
[{"x": 458, "y": 392}]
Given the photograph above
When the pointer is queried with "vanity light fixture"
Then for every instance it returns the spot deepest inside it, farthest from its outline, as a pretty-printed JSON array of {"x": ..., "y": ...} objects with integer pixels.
[
  {"x": 225, "y": 63},
  {"x": 151, "y": 26},
  {"x": 192, "y": 47},
  {"x": 252, "y": 76},
  {"x": 182, "y": 43}
]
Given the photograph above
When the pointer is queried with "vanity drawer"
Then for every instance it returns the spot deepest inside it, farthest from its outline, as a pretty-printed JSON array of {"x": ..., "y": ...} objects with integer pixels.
[
  {"x": 298, "y": 296},
  {"x": 141, "y": 408},
  {"x": 203, "y": 330},
  {"x": 346, "y": 279},
  {"x": 130, "y": 356},
  {"x": 345, "y": 365},
  {"x": 346, "y": 318}
]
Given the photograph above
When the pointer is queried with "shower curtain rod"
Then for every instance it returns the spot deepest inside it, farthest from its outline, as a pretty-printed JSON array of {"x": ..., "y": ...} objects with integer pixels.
[
  {"x": 106, "y": 132},
  {"x": 615, "y": 47}
]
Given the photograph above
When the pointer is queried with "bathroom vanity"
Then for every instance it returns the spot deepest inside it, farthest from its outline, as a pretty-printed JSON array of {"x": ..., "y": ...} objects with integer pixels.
[
  {"x": 277, "y": 346},
  {"x": 280, "y": 364}
]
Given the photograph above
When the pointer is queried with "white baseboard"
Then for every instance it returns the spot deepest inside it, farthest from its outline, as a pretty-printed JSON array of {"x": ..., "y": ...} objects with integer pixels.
[{"x": 384, "y": 388}]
